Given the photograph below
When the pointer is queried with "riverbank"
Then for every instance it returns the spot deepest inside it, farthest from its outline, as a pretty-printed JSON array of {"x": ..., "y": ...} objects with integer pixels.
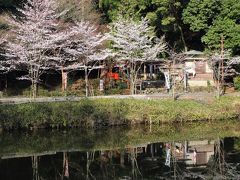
[{"x": 113, "y": 112}]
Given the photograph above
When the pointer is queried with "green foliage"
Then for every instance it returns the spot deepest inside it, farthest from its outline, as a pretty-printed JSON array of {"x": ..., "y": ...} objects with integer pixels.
[
  {"x": 165, "y": 12},
  {"x": 108, "y": 7},
  {"x": 130, "y": 9},
  {"x": 164, "y": 15},
  {"x": 199, "y": 14},
  {"x": 109, "y": 112},
  {"x": 184, "y": 23},
  {"x": 122, "y": 85},
  {"x": 215, "y": 18},
  {"x": 230, "y": 31},
  {"x": 237, "y": 83},
  {"x": 79, "y": 10},
  {"x": 133, "y": 9},
  {"x": 237, "y": 143},
  {"x": 114, "y": 91}
]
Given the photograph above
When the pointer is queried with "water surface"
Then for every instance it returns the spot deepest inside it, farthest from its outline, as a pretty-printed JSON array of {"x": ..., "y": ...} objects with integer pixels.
[{"x": 190, "y": 151}]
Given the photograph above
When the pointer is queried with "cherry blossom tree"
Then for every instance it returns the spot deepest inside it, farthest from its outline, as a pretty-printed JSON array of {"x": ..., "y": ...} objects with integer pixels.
[
  {"x": 3, "y": 68},
  {"x": 84, "y": 50},
  {"x": 5, "y": 64},
  {"x": 2, "y": 40},
  {"x": 35, "y": 34},
  {"x": 134, "y": 44},
  {"x": 222, "y": 67}
]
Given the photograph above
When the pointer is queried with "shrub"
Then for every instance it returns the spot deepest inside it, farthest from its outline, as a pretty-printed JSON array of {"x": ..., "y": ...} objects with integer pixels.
[{"x": 237, "y": 83}]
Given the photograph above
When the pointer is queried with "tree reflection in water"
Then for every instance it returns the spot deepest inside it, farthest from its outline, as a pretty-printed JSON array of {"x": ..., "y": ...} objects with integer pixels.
[
  {"x": 145, "y": 161},
  {"x": 163, "y": 152}
]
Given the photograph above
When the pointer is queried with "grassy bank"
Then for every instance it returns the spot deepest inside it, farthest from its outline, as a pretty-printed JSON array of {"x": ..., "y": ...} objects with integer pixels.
[{"x": 108, "y": 112}]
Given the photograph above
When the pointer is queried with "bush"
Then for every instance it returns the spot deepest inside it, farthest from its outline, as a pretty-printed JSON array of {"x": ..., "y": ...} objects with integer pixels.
[{"x": 237, "y": 83}]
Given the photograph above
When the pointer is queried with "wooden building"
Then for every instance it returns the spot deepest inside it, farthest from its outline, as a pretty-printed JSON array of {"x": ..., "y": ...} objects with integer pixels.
[{"x": 197, "y": 66}]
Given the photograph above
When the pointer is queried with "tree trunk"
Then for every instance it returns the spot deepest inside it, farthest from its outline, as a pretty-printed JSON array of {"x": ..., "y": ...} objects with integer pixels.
[
  {"x": 34, "y": 89},
  {"x": 65, "y": 166},
  {"x": 64, "y": 80},
  {"x": 35, "y": 168},
  {"x": 34, "y": 71},
  {"x": 6, "y": 82},
  {"x": 86, "y": 81},
  {"x": 88, "y": 166},
  {"x": 219, "y": 83},
  {"x": 132, "y": 87},
  {"x": 222, "y": 65},
  {"x": 132, "y": 79},
  {"x": 173, "y": 88},
  {"x": 182, "y": 38},
  {"x": 122, "y": 158},
  {"x": 173, "y": 81}
]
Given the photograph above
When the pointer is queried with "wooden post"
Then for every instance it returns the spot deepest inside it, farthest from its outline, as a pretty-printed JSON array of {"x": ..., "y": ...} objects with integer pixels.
[
  {"x": 151, "y": 71},
  {"x": 144, "y": 72},
  {"x": 185, "y": 80}
]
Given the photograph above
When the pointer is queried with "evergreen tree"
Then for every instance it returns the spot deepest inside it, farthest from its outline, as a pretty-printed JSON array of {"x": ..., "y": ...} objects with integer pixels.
[{"x": 215, "y": 18}]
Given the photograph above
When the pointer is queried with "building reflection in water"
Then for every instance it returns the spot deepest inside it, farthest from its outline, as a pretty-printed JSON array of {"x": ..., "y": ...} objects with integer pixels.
[{"x": 174, "y": 160}]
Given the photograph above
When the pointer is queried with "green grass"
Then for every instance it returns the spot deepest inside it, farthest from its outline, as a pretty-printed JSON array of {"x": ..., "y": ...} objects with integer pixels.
[{"x": 109, "y": 112}]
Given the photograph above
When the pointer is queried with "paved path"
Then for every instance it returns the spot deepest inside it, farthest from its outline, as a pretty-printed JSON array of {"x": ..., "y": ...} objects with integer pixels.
[
  {"x": 19, "y": 100},
  {"x": 198, "y": 96}
]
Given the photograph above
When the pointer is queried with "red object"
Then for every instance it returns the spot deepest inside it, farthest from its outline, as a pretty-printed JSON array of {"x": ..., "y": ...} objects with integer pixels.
[{"x": 115, "y": 76}]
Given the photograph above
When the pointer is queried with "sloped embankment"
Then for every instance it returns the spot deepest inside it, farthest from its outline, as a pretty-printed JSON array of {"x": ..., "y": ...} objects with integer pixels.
[{"x": 111, "y": 112}]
